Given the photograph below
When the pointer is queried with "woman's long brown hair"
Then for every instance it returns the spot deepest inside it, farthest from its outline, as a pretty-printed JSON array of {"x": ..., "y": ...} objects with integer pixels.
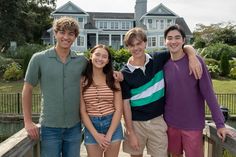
[{"x": 108, "y": 71}]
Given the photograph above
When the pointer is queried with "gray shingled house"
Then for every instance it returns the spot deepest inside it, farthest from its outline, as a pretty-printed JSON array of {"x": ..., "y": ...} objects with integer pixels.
[{"x": 109, "y": 28}]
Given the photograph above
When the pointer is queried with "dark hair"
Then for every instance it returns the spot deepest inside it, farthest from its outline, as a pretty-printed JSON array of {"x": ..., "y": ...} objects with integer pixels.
[
  {"x": 108, "y": 71},
  {"x": 134, "y": 33},
  {"x": 175, "y": 27}
]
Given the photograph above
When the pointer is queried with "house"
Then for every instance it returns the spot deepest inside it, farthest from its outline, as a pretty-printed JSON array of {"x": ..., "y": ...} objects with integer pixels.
[{"x": 109, "y": 28}]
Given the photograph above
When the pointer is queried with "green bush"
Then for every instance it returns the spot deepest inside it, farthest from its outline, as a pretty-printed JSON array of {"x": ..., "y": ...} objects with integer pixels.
[
  {"x": 214, "y": 70},
  {"x": 213, "y": 67},
  {"x": 3, "y": 64},
  {"x": 25, "y": 52},
  {"x": 120, "y": 57},
  {"x": 211, "y": 61},
  {"x": 13, "y": 72},
  {"x": 215, "y": 51},
  {"x": 232, "y": 63},
  {"x": 233, "y": 73}
]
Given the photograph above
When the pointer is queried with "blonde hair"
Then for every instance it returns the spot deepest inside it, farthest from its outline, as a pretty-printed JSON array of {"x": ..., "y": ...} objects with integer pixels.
[
  {"x": 135, "y": 33},
  {"x": 66, "y": 23}
]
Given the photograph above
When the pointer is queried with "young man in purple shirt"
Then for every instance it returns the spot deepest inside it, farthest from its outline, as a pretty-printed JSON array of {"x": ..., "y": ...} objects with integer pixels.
[{"x": 185, "y": 100}]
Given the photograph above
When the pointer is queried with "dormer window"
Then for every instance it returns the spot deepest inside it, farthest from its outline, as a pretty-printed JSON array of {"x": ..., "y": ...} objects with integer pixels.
[{"x": 150, "y": 24}]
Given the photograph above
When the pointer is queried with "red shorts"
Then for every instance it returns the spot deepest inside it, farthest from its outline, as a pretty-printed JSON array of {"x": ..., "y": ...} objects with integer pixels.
[{"x": 189, "y": 142}]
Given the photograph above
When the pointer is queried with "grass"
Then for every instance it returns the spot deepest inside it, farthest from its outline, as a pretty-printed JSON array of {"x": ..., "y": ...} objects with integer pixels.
[
  {"x": 14, "y": 87},
  {"x": 220, "y": 86},
  {"x": 224, "y": 86}
]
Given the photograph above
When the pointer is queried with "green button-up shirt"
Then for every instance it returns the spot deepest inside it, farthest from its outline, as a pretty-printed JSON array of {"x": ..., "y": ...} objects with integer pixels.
[{"x": 60, "y": 86}]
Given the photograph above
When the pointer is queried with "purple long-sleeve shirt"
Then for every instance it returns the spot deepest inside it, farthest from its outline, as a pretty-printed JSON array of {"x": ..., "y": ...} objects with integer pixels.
[{"x": 185, "y": 97}]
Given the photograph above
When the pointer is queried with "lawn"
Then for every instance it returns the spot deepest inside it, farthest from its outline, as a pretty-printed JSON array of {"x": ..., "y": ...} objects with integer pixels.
[
  {"x": 224, "y": 86},
  {"x": 220, "y": 86},
  {"x": 14, "y": 87}
]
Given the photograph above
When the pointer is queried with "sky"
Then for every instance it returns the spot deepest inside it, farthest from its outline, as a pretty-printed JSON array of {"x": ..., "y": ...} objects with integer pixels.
[{"x": 193, "y": 11}]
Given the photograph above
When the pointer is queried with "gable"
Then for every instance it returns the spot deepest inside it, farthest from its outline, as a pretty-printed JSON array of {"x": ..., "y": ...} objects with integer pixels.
[
  {"x": 160, "y": 10},
  {"x": 69, "y": 8}
]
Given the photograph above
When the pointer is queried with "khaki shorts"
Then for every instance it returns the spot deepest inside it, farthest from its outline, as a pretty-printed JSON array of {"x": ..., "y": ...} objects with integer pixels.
[{"x": 152, "y": 134}]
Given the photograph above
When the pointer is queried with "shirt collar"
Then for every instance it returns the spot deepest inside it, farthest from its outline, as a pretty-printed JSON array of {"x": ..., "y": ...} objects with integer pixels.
[
  {"x": 52, "y": 53},
  {"x": 143, "y": 68}
]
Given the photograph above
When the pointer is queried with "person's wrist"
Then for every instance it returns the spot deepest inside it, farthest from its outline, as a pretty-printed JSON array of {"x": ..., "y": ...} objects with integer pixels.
[{"x": 129, "y": 132}]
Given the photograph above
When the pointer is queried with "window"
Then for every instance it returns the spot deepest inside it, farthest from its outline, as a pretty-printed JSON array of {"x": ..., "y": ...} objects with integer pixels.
[
  {"x": 103, "y": 24},
  {"x": 162, "y": 24},
  {"x": 81, "y": 22},
  {"x": 123, "y": 25},
  {"x": 158, "y": 24},
  {"x": 152, "y": 42},
  {"x": 116, "y": 25},
  {"x": 112, "y": 25},
  {"x": 80, "y": 40},
  {"x": 128, "y": 25},
  {"x": 161, "y": 41},
  {"x": 150, "y": 23},
  {"x": 169, "y": 22},
  {"x": 103, "y": 39}
]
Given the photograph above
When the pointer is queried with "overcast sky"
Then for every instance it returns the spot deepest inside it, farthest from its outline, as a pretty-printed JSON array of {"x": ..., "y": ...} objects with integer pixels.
[{"x": 193, "y": 11}]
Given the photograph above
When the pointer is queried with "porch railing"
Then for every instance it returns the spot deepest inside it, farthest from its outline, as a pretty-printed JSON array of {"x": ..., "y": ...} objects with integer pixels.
[
  {"x": 10, "y": 103},
  {"x": 21, "y": 145}
]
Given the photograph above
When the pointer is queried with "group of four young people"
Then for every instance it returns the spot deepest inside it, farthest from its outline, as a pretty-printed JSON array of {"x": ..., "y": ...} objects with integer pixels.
[{"x": 159, "y": 97}]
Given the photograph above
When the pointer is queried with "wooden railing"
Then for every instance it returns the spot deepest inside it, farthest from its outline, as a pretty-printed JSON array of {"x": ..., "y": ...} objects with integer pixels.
[
  {"x": 19, "y": 145},
  {"x": 214, "y": 147}
]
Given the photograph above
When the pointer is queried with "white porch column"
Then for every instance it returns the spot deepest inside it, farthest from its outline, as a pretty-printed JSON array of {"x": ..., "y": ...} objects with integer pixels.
[
  {"x": 121, "y": 40},
  {"x": 96, "y": 38},
  {"x": 110, "y": 40}
]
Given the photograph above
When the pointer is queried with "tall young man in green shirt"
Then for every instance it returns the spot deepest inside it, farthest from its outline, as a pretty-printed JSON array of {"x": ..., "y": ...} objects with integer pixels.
[{"x": 58, "y": 70}]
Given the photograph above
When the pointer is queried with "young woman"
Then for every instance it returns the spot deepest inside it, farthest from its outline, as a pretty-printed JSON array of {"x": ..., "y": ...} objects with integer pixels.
[{"x": 101, "y": 105}]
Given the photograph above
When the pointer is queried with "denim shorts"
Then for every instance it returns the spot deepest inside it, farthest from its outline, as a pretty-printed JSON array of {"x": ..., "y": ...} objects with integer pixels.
[{"x": 102, "y": 125}]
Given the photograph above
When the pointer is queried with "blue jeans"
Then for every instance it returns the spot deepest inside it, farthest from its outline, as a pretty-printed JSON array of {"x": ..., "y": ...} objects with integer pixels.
[
  {"x": 102, "y": 125},
  {"x": 57, "y": 142}
]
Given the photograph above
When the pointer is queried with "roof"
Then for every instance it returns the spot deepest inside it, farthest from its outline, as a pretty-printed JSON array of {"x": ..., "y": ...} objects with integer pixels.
[
  {"x": 69, "y": 8},
  {"x": 109, "y": 15},
  {"x": 160, "y": 10},
  {"x": 180, "y": 21},
  {"x": 105, "y": 15}
]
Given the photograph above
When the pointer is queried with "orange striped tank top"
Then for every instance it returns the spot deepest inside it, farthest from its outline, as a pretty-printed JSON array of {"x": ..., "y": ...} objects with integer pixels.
[{"x": 99, "y": 100}]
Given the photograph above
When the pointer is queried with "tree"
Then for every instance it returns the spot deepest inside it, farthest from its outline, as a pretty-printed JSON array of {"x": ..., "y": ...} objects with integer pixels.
[
  {"x": 24, "y": 20},
  {"x": 9, "y": 17},
  {"x": 224, "y": 64},
  {"x": 226, "y": 35},
  {"x": 215, "y": 33}
]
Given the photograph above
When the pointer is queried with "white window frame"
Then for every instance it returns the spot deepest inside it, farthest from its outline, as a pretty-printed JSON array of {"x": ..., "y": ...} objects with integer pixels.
[
  {"x": 150, "y": 23},
  {"x": 162, "y": 24},
  {"x": 152, "y": 41},
  {"x": 161, "y": 40},
  {"x": 81, "y": 40},
  {"x": 169, "y": 22},
  {"x": 81, "y": 23}
]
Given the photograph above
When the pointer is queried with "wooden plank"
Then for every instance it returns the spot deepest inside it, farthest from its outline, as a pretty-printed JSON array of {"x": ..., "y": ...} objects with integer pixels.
[
  {"x": 230, "y": 142},
  {"x": 17, "y": 145}
]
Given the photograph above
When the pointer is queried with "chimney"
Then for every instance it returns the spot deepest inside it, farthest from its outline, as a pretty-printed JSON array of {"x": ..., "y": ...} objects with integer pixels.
[{"x": 140, "y": 9}]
